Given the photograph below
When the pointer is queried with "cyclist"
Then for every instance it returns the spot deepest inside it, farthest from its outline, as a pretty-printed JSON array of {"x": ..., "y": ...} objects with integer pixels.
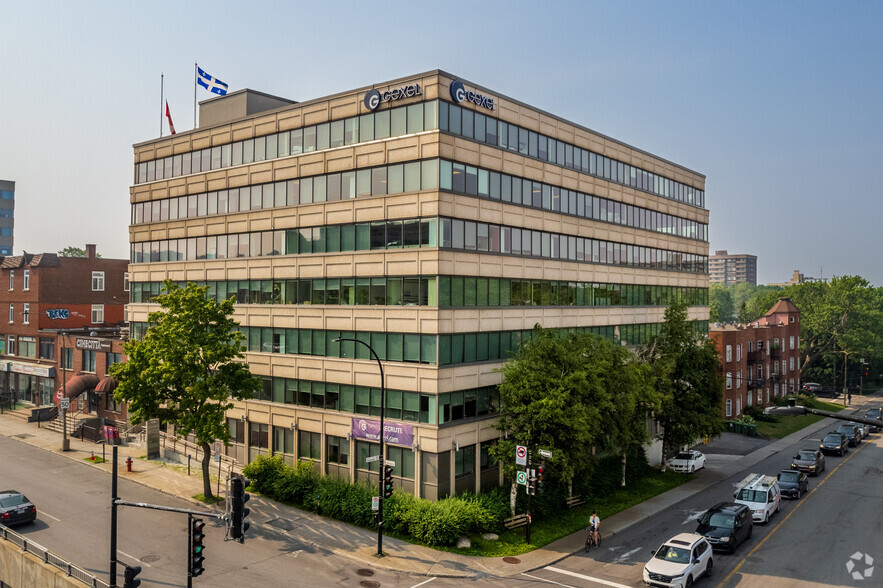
[{"x": 594, "y": 526}]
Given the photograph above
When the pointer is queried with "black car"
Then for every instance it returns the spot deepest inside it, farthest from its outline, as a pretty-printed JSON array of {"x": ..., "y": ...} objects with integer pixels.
[
  {"x": 834, "y": 442},
  {"x": 811, "y": 461},
  {"x": 15, "y": 508},
  {"x": 852, "y": 433},
  {"x": 793, "y": 483},
  {"x": 875, "y": 413},
  {"x": 726, "y": 525}
]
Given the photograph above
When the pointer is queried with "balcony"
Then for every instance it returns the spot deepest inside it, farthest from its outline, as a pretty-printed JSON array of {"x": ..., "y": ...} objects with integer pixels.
[
  {"x": 754, "y": 356},
  {"x": 754, "y": 384},
  {"x": 777, "y": 353},
  {"x": 775, "y": 378}
]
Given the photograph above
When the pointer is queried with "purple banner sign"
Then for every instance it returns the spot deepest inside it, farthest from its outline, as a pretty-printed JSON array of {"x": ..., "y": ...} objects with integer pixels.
[{"x": 395, "y": 433}]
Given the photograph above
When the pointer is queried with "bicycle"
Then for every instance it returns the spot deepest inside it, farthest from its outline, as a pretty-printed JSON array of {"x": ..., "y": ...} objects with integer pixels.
[{"x": 592, "y": 541}]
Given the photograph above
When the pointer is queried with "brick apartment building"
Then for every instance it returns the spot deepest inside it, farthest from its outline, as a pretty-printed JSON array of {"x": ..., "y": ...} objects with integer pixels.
[
  {"x": 760, "y": 360},
  {"x": 63, "y": 328}
]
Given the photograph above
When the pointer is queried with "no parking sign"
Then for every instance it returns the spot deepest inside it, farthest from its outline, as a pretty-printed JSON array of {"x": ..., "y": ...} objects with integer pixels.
[{"x": 520, "y": 455}]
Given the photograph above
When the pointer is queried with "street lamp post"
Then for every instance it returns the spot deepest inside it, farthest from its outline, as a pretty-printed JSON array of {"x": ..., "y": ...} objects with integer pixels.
[
  {"x": 382, "y": 433},
  {"x": 65, "y": 442},
  {"x": 845, "y": 388}
]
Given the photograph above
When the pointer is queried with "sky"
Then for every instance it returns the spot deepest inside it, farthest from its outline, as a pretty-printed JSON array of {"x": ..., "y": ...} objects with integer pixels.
[{"x": 776, "y": 103}]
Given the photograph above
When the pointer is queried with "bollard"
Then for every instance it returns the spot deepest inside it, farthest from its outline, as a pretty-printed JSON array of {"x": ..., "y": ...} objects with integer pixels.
[{"x": 128, "y": 464}]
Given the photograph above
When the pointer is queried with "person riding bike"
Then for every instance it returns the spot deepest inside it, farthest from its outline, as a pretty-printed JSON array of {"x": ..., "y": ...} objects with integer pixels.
[{"x": 595, "y": 526}]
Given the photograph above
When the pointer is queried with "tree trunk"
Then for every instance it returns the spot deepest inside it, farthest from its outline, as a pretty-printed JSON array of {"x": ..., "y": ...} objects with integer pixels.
[
  {"x": 513, "y": 492},
  {"x": 623, "y": 468},
  {"x": 570, "y": 488},
  {"x": 206, "y": 462},
  {"x": 664, "y": 450}
]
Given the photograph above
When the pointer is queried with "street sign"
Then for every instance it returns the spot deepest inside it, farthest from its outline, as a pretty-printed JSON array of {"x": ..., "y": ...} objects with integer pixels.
[
  {"x": 520, "y": 455},
  {"x": 65, "y": 404},
  {"x": 389, "y": 462},
  {"x": 373, "y": 458},
  {"x": 375, "y": 503},
  {"x": 545, "y": 453},
  {"x": 521, "y": 478}
]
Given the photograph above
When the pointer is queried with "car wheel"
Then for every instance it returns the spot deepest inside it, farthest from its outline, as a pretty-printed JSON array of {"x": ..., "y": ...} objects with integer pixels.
[
  {"x": 750, "y": 531},
  {"x": 692, "y": 469},
  {"x": 689, "y": 583},
  {"x": 709, "y": 567},
  {"x": 798, "y": 494}
]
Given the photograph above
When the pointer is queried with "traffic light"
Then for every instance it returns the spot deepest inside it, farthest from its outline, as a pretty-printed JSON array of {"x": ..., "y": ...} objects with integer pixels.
[
  {"x": 197, "y": 547},
  {"x": 387, "y": 481},
  {"x": 239, "y": 498},
  {"x": 129, "y": 579},
  {"x": 541, "y": 473}
]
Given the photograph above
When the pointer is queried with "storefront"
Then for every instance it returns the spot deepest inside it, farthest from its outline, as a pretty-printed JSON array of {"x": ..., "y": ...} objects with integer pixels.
[{"x": 28, "y": 383}]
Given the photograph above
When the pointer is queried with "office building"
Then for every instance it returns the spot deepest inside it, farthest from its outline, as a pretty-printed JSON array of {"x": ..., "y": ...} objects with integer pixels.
[
  {"x": 760, "y": 360},
  {"x": 7, "y": 216},
  {"x": 727, "y": 269},
  {"x": 429, "y": 217}
]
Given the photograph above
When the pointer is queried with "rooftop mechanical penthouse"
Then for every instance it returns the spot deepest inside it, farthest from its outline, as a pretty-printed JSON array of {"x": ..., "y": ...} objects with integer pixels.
[{"x": 434, "y": 219}]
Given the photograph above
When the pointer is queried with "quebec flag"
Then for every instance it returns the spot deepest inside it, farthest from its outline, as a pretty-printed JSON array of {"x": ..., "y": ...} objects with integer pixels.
[{"x": 212, "y": 84}]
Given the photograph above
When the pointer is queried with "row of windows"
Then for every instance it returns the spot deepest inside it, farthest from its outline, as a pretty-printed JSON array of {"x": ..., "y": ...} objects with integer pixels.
[
  {"x": 474, "y": 181},
  {"x": 490, "y": 131},
  {"x": 412, "y": 177},
  {"x": 97, "y": 316},
  {"x": 7, "y": 195},
  {"x": 444, "y": 292},
  {"x": 44, "y": 348},
  {"x": 456, "y": 234},
  {"x": 389, "y": 179},
  {"x": 389, "y": 291},
  {"x": 400, "y": 404},
  {"x": 793, "y": 343},
  {"x": 492, "y": 238},
  {"x": 329, "y": 239},
  {"x": 415, "y": 118},
  {"x": 393, "y": 122},
  {"x": 449, "y": 349}
]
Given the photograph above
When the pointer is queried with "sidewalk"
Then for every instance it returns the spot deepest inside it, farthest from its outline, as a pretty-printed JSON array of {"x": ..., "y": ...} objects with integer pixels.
[{"x": 361, "y": 544}]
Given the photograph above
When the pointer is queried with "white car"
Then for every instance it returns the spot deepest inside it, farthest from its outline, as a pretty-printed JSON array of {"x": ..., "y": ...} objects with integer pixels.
[
  {"x": 687, "y": 461},
  {"x": 679, "y": 562}
]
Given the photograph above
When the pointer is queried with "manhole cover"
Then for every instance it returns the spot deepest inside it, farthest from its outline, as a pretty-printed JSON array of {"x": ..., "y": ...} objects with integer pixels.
[
  {"x": 511, "y": 560},
  {"x": 149, "y": 558},
  {"x": 283, "y": 524},
  {"x": 369, "y": 584},
  {"x": 365, "y": 572}
]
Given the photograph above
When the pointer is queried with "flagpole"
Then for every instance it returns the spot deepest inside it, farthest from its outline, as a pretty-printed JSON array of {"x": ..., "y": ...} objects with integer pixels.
[
  {"x": 194, "y": 93},
  {"x": 161, "y": 99}
]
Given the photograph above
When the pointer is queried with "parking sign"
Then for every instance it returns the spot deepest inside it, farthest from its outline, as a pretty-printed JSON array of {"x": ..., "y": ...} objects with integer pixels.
[{"x": 520, "y": 455}]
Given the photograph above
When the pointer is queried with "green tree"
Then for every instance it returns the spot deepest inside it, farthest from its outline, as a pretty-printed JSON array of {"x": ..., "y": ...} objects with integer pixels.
[
  {"x": 687, "y": 375},
  {"x": 72, "y": 252},
  {"x": 186, "y": 368},
  {"x": 720, "y": 304},
  {"x": 634, "y": 400}
]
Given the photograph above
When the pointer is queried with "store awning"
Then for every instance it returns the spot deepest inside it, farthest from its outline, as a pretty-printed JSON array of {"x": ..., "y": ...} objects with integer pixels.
[
  {"x": 107, "y": 384},
  {"x": 77, "y": 385}
]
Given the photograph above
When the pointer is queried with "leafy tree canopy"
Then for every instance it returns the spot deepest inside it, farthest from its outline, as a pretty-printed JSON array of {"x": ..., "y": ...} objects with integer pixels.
[
  {"x": 187, "y": 367},
  {"x": 720, "y": 304},
  {"x": 72, "y": 252}
]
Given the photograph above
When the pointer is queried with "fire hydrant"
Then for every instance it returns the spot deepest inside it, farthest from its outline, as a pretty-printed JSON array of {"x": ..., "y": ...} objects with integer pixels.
[{"x": 128, "y": 464}]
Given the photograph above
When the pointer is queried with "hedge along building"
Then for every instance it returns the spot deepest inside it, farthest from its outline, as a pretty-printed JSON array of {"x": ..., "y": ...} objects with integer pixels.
[{"x": 435, "y": 220}]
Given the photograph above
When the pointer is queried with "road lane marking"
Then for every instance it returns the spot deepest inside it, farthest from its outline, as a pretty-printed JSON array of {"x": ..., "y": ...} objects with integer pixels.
[
  {"x": 547, "y": 581},
  {"x": 135, "y": 559},
  {"x": 423, "y": 582},
  {"x": 782, "y": 522},
  {"x": 588, "y": 578},
  {"x": 627, "y": 555},
  {"x": 46, "y": 514}
]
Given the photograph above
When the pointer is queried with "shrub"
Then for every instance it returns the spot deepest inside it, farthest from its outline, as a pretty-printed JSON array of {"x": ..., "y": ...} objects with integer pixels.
[
  {"x": 756, "y": 412},
  {"x": 264, "y": 471}
]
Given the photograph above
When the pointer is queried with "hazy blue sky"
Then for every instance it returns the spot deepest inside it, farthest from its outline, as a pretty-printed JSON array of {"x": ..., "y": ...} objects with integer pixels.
[{"x": 777, "y": 103}]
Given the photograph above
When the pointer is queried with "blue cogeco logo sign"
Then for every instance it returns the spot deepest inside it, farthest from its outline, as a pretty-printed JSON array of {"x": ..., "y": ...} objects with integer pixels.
[
  {"x": 374, "y": 98},
  {"x": 459, "y": 94}
]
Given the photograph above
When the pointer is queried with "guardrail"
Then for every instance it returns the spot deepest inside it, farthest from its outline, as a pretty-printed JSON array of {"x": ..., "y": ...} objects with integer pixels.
[{"x": 50, "y": 558}]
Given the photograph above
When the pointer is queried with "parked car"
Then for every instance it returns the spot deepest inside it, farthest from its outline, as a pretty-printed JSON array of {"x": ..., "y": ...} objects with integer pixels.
[
  {"x": 811, "y": 388},
  {"x": 15, "y": 508},
  {"x": 679, "y": 561},
  {"x": 852, "y": 433},
  {"x": 687, "y": 461},
  {"x": 811, "y": 461},
  {"x": 761, "y": 494},
  {"x": 834, "y": 442},
  {"x": 874, "y": 413},
  {"x": 726, "y": 525},
  {"x": 793, "y": 483},
  {"x": 863, "y": 429}
]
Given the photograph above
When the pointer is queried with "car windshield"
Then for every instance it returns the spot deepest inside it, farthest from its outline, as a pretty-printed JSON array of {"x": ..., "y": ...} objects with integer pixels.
[
  {"x": 672, "y": 553},
  {"x": 788, "y": 477},
  {"x": 874, "y": 412},
  {"x": 12, "y": 500},
  {"x": 684, "y": 456},
  {"x": 832, "y": 439},
  {"x": 718, "y": 519},
  {"x": 752, "y": 496},
  {"x": 806, "y": 456},
  {"x": 846, "y": 429}
]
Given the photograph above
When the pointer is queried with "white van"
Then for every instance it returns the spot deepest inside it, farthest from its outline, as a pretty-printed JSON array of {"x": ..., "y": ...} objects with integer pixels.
[{"x": 761, "y": 494}]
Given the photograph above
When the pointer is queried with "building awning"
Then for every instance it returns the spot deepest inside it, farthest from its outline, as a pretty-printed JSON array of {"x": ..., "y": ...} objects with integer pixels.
[
  {"x": 107, "y": 384},
  {"x": 77, "y": 385}
]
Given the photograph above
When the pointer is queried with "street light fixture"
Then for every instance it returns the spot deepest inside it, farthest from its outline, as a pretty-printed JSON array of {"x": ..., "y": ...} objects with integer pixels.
[{"x": 382, "y": 433}]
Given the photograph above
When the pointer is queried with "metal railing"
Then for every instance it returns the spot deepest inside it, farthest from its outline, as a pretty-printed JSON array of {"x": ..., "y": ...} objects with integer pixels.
[{"x": 52, "y": 559}]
